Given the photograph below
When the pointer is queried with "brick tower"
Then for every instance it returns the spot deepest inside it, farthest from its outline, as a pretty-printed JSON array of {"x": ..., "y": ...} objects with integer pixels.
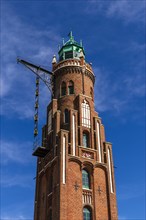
[{"x": 75, "y": 175}]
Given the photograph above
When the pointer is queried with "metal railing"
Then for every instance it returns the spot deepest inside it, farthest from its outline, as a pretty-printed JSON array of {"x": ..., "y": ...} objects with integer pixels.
[{"x": 87, "y": 196}]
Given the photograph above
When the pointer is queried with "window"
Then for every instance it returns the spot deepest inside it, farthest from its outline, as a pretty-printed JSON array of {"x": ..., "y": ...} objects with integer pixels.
[
  {"x": 85, "y": 114},
  {"x": 85, "y": 179},
  {"x": 63, "y": 89},
  {"x": 91, "y": 92},
  {"x": 86, "y": 214},
  {"x": 66, "y": 116},
  {"x": 69, "y": 149},
  {"x": 68, "y": 54},
  {"x": 50, "y": 140},
  {"x": 71, "y": 88},
  {"x": 85, "y": 139},
  {"x": 49, "y": 120}
]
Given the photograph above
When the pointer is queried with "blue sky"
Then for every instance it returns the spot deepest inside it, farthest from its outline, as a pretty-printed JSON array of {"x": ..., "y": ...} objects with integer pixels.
[{"x": 113, "y": 34}]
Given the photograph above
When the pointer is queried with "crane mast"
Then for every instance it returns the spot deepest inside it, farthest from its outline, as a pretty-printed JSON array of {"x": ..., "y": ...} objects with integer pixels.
[{"x": 47, "y": 77}]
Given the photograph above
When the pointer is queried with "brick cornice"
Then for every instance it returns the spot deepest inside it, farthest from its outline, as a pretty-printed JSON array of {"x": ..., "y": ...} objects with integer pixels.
[{"x": 74, "y": 69}]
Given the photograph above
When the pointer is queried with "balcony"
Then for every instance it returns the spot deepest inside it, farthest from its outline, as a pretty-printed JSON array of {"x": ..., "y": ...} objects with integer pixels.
[
  {"x": 87, "y": 196},
  {"x": 68, "y": 62},
  {"x": 40, "y": 151},
  {"x": 73, "y": 62}
]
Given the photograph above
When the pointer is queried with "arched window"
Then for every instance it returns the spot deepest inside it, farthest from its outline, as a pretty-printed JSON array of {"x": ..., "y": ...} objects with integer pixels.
[
  {"x": 66, "y": 116},
  {"x": 71, "y": 88},
  {"x": 63, "y": 88},
  {"x": 85, "y": 179},
  {"x": 91, "y": 92},
  {"x": 49, "y": 120},
  {"x": 86, "y": 114},
  {"x": 85, "y": 139},
  {"x": 87, "y": 214}
]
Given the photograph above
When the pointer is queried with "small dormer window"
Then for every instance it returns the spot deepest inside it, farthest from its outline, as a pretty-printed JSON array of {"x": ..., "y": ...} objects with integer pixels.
[{"x": 68, "y": 54}]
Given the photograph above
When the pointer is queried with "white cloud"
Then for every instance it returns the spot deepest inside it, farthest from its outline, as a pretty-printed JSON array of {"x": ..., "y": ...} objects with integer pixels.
[
  {"x": 122, "y": 218},
  {"x": 17, "y": 82},
  {"x": 14, "y": 152},
  {"x": 105, "y": 92},
  {"x": 136, "y": 47},
  {"x": 135, "y": 85},
  {"x": 23, "y": 180},
  {"x": 23, "y": 108},
  {"x": 128, "y": 11},
  {"x": 21, "y": 103},
  {"x": 128, "y": 192},
  {"x": 115, "y": 95},
  {"x": 18, "y": 210},
  {"x": 4, "y": 87},
  {"x": 17, "y": 217}
]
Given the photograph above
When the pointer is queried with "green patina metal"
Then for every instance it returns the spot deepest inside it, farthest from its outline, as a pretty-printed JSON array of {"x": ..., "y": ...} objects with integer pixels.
[{"x": 70, "y": 49}]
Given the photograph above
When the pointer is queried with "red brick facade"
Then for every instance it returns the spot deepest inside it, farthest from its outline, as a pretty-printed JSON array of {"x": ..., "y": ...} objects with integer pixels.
[{"x": 60, "y": 194}]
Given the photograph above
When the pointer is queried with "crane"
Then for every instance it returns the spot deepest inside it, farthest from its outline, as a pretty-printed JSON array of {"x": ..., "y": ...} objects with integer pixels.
[{"x": 47, "y": 77}]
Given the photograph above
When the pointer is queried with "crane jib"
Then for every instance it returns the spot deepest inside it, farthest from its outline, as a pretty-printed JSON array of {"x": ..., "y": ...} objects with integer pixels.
[
  {"x": 34, "y": 66},
  {"x": 46, "y": 77}
]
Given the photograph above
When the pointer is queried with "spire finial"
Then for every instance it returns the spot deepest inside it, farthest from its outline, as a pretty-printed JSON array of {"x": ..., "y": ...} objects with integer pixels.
[
  {"x": 54, "y": 60},
  {"x": 70, "y": 36}
]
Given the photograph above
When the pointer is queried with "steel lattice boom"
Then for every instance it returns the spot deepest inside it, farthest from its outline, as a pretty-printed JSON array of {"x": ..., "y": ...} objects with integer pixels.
[{"x": 43, "y": 74}]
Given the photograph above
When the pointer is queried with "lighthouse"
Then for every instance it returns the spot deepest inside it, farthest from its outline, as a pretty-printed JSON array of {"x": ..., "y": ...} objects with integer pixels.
[{"x": 75, "y": 171}]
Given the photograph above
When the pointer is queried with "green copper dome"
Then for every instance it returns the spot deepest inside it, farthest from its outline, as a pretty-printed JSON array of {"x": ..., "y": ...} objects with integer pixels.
[{"x": 71, "y": 49}]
